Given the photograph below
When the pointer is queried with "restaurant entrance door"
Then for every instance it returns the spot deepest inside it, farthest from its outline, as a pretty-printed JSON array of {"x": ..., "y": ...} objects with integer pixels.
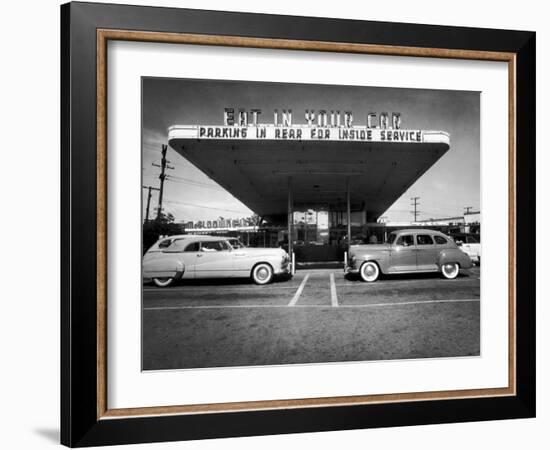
[{"x": 313, "y": 241}]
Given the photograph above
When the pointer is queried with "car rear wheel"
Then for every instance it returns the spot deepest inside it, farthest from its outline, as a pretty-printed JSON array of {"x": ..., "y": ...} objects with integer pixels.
[
  {"x": 450, "y": 270},
  {"x": 262, "y": 274},
  {"x": 163, "y": 282},
  {"x": 369, "y": 271}
]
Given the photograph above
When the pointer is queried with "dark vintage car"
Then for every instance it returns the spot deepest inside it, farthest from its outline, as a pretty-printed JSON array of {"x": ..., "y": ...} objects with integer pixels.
[{"x": 408, "y": 251}]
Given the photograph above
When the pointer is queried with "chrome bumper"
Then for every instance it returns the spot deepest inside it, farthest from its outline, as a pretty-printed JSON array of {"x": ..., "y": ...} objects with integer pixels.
[
  {"x": 350, "y": 269},
  {"x": 284, "y": 270}
]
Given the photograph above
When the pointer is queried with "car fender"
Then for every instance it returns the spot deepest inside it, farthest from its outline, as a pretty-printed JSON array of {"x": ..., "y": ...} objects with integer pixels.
[
  {"x": 454, "y": 255},
  {"x": 172, "y": 267},
  {"x": 380, "y": 258}
]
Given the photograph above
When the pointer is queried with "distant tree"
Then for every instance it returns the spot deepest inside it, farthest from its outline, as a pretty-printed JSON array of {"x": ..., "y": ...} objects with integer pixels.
[
  {"x": 163, "y": 226},
  {"x": 253, "y": 220},
  {"x": 166, "y": 218}
]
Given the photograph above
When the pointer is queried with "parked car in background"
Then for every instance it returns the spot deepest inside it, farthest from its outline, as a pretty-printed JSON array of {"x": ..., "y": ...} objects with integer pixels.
[
  {"x": 192, "y": 256},
  {"x": 469, "y": 244},
  {"x": 408, "y": 251}
]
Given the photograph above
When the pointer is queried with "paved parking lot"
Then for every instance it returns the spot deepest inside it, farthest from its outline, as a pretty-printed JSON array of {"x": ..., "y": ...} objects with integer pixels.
[{"x": 318, "y": 316}]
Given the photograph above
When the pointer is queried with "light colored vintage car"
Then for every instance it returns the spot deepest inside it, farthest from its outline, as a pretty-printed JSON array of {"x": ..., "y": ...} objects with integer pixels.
[
  {"x": 193, "y": 256},
  {"x": 469, "y": 244},
  {"x": 408, "y": 251}
]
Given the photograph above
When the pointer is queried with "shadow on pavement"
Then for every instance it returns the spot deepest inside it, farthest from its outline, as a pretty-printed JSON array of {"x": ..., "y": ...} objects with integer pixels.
[
  {"x": 223, "y": 281},
  {"x": 409, "y": 276}
]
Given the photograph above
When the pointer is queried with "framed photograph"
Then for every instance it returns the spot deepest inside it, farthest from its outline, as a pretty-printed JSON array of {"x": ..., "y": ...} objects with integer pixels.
[{"x": 277, "y": 224}]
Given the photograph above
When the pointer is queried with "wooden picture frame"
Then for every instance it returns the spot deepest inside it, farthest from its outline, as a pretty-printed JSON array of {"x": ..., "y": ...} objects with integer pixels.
[{"x": 86, "y": 418}]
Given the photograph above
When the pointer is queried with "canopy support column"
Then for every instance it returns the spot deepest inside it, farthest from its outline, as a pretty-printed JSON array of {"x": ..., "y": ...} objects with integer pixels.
[
  {"x": 348, "y": 211},
  {"x": 290, "y": 217}
]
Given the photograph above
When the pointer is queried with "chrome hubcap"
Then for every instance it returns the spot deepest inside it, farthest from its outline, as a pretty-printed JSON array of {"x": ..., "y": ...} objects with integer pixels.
[
  {"x": 370, "y": 271},
  {"x": 262, "y": 273},
  {"x": 449, "y": 269}
]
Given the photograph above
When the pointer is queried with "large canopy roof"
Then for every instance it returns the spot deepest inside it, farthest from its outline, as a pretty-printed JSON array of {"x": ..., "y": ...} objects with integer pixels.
[{"x": 257, "y": 171}]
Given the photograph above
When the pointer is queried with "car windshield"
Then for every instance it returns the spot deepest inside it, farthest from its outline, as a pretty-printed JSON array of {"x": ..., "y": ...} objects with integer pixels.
[{"x": 391, "y": 238}]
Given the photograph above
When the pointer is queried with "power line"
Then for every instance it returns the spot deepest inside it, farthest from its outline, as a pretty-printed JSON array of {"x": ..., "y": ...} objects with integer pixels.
[
  {"x": 214, "y": 188},
  {"x": 177, "y": 179},
  {"x": 206, "y": 207}
]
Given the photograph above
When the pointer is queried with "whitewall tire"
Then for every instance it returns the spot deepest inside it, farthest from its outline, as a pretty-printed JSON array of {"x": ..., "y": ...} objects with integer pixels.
[
  {"x": 262, "y": 274},
  {"x": 163, "y": 282},
  {"x": 369, "y": 271},
  {"x": 450, "y": 270}
]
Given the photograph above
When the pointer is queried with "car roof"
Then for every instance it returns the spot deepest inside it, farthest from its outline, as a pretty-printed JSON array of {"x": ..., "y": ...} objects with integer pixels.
[
  {"x": 195, "y": 237},
  {"x": 418, "y": 231}
]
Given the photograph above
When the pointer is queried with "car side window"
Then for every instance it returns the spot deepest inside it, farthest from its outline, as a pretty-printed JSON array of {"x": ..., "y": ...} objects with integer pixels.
[
  {"x": 193, "y": 247},
  {"x": 405, "y": 240},
  {"x": 214, "y": 246},
  {"x": 440, "y": 240},
  {"x": 424, "y": 239}
]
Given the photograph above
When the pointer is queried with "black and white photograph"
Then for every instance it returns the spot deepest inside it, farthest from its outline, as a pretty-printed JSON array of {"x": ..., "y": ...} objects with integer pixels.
[
  {"x": 301, "y": 223},
  {"x": 298, "y": 225}
]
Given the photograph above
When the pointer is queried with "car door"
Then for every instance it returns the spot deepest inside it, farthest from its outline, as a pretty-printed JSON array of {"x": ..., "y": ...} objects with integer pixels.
[
  {"x": 426, "y": 252},
  {"x": 214, "y": 259},
  {"x": 403, "y": 254},
  {"x": 243, "y": 260},
  {"x": 189, "y": 258},
  {"x": 179, "y": 254}
]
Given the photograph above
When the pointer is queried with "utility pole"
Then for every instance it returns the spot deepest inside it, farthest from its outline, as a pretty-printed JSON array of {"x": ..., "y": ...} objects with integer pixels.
[
  {"x": 149, "y": 188},
  {"x": 467, "y": 209},
  {"x": 163, "y": 166},
  {"x": 415, "y": 204}
]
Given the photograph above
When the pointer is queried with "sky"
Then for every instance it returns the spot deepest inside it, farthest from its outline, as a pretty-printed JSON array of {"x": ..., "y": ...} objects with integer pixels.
[{"x": 449, "y": 186}]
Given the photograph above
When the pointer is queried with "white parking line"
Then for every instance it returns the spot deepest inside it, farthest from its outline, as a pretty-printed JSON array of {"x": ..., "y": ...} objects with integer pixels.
[
  {"x": 399, "y": 283},
  {"x": 238, "y": 288},
  {"x": 299, "y": 291},
  {"x": 371, "y": 305},
  {"x": 333, "y": 296},
  {"x": 422, "y": 302}
]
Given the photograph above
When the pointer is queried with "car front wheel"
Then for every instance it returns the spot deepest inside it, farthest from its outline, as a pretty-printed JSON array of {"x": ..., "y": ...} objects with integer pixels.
[
  {"x": 262, "y": 274},
  {"x": 369, "y": 271},
  {"x": 450, "y": 270},
  {"x": 163, "y": 282}
]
